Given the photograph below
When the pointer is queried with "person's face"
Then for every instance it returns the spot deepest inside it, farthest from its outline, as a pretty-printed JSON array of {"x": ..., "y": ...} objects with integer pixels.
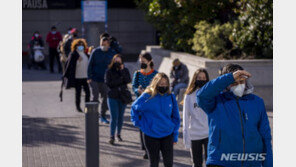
[
  {"x": 175, "y": 64},
  {"x": 118, "y": 60},
  {"x": 80, "y": 44},
  {"x": 54, "y": 29},
  {"x": 105, "y": 43},
  {"x": 242, "y": 81},
  {"x": 163, "y": 83},
  {"x": 201, "y": 76},
  {"x": 143, "y": 60}
]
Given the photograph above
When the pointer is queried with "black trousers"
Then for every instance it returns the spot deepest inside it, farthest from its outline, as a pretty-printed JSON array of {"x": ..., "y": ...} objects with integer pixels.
[
  {"x": 53, "y": 54},
  {"x": 142, "y": 141},
  {"x": 81, "y": 83},
  {"x": 196, "y": 151},
  {"x": 155, "y": 145}
]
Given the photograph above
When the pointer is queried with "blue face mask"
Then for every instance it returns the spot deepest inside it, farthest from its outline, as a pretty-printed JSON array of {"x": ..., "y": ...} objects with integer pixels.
[{"x": 80, "y": 48}]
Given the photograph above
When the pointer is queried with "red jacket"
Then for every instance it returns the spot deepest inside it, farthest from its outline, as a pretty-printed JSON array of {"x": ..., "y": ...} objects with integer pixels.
[{"x": 53, "y": 39}]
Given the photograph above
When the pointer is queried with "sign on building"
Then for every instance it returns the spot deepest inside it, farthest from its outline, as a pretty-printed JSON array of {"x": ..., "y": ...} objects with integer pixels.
[{"x": 94, "y": 11}]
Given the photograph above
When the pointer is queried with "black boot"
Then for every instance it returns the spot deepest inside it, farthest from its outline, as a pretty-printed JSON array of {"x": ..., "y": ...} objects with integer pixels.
[
  {"x": 112, "y": 139},
  {"x": 78, "y": 109},
  {"x": 119, "y": 138}
]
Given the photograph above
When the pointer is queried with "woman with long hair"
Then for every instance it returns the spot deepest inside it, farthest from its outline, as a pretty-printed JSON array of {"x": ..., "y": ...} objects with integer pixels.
[
  {"x": 141, "y": 80},
  {"x": 117, "y": 77},
  {"x": 195, "y": 120},
  {"x": 156, "y": 113},
  {"x": 76, "y": 71}
]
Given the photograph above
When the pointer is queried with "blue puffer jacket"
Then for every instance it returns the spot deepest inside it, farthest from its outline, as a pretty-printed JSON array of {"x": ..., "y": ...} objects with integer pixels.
[
  {"x": 158, "y": 116},
  {"x": 236, "y": 125},
  {"x": 98, "y": 64}
]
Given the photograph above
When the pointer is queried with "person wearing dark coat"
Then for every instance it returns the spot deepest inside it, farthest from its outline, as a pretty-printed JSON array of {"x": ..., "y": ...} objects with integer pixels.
[
  {"x": 75, "y": 75},
  {"x": 36, "y": 40},
  {"x": 117, "y": 77}
]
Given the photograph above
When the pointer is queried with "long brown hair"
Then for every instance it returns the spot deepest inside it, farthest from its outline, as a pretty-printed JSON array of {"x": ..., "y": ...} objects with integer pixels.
[
  {"x": 152, "y": 88},
  {"x": 191, "y": 88},
  {"x": 113, "y": 60}
]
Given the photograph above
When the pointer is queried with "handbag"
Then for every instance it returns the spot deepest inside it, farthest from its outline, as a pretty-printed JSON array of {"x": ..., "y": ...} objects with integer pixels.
[{"x": 125, "y": 96}]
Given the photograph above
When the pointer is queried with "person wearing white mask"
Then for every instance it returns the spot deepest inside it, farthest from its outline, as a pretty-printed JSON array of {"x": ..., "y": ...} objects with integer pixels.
[
  {"x": 195, "y": 120},
  {"x": 238, "y": 122},
  {"x": 36, "y": 40},
  {"x": 76, "y": 71},
  {"x": 98, "y": 64},
  {"x": 53, "y": 39}
]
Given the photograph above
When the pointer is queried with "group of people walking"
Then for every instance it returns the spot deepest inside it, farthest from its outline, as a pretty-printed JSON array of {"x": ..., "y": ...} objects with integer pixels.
[
  {"x": 220, "y": 116},
  {"x": 103, "y": 69}
]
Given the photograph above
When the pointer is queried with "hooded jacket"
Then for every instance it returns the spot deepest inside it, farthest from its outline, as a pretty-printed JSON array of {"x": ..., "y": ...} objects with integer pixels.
[
  {"x": 157, "y": 117},
  {"x": 238, "y": 127}
]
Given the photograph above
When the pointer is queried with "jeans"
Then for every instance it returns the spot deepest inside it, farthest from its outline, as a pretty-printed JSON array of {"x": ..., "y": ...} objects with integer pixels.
[
  {"x": 176, "y": 88},
  {"x": 81, "y": 83},
  {"x": 116, "y": 111},
  {"x": 155, "y": 145},
  {"x": 196, "y": 151},
  {"x": 102, "y": 89},
  {"x": 53, "y": 54}
]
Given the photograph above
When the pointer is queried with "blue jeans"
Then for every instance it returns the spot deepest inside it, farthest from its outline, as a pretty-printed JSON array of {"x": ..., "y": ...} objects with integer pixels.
[
  {"x": 177, "y": 88},
  {"x": 116, "y": 108}
]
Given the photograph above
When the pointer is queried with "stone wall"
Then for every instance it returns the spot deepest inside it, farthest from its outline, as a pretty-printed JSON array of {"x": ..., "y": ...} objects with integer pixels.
[{"x": 261, "y": 70}]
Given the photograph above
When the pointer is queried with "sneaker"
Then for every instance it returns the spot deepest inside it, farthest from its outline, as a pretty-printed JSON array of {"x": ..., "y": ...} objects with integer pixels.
[
  {"x": 145, "y": 156},
  {"x": 104, "y": 120},
  {"x": 119, "y": 138},
  {"x": 111, "y": 141}
]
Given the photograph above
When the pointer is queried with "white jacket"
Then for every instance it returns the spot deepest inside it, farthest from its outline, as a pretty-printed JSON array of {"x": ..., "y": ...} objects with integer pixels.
[{"x": 195, "y": 121}]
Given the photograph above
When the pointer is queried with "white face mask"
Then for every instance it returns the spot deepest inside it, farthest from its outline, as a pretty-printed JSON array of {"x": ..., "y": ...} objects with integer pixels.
[
  {"x": 36, "y": 35},
  {"x": 105, "y": 48},
  {"x": 238, "y": 90}
]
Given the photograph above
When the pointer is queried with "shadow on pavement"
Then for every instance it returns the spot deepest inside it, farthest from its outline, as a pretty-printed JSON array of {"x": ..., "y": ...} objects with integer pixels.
[
  {"x": 38, "y": 131},
  {"x": 39, "y": 75}
]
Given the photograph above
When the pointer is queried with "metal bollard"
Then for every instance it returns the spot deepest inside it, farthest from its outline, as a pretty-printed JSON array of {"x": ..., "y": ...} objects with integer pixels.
[{"x": 91, "y": 134}]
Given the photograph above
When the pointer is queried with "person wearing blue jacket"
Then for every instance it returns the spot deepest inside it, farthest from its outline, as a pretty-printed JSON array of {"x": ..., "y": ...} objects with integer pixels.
[
  {"x": 99, "y": 60},
  {"x": 156, "y": 113},
  {"x": 239, "y": 131},
  {"x": 141, "y": 79}
]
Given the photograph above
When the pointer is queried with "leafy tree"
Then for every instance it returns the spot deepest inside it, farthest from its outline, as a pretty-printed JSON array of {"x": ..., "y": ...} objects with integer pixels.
[
  {"x": 176, "y": 19},
  {"x": 215, "y": 28},
  {"x": 253, "y": 31}
]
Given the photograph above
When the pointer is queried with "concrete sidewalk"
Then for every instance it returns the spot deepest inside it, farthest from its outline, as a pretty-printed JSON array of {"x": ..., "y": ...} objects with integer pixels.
[{"x": 53, "y": 133}]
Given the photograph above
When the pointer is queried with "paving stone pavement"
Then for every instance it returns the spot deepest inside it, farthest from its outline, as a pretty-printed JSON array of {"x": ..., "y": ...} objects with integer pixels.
[{"x": 53, "y": 133}]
